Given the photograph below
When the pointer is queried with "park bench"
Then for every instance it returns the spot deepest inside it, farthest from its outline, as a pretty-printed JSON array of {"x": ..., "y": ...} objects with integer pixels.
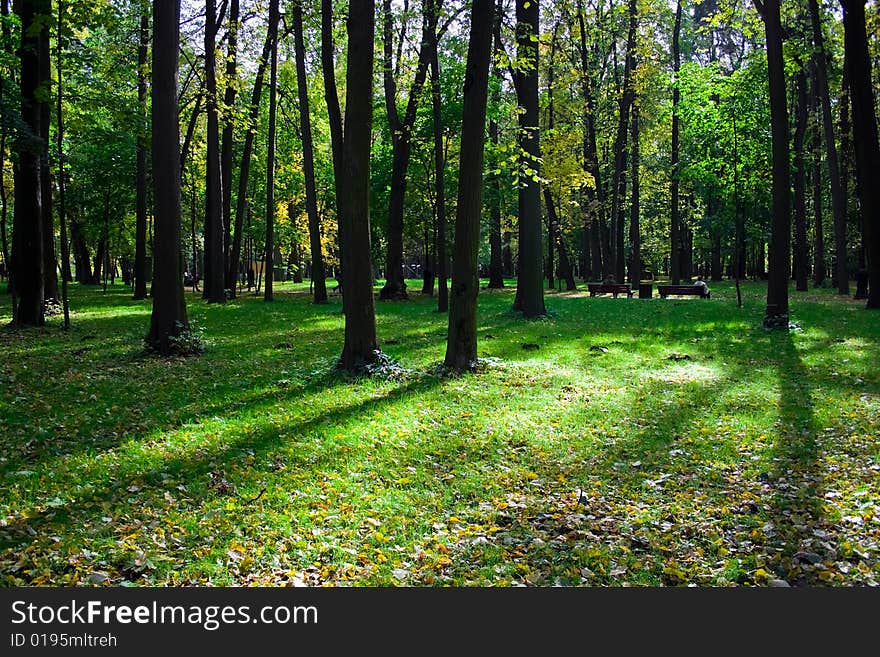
[
  {"x": 609, "y": 288},
  {"x": 684, "y": 290}
]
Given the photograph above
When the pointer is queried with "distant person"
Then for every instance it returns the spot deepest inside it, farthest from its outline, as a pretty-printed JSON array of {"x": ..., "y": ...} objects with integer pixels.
[
  {"x": 609, "y": 280},
  {"x": 704, "y": 289}
]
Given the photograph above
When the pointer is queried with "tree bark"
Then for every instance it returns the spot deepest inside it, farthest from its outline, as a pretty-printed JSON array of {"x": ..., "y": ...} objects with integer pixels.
[
  {"x": 229, "y": 93},
  {"x": 530, "y": 279},
  {"x": 401, "y": 147},
  {"x": 269, "y": 257},
  {"x": 867, "y": 150},
  {"x": 496, "y": 263},
  {"x": 461, "y": 341},
  {"x": 241, "y": 204},
  {"x": 50, "y": 261},
  {"x": 618, "y": 185},
  {"x": 305, "y": 124},
  {"x": 439, "y": 161},
  {"x": 27, "y": 234},
  {"x": 169, "y": 318},
  {"x": 838, "y": 205},
  {"x": 59, "y": 135},
  {"x": 635, "y": 240},
  {"x": 361, "y": 346},
  {"x": 140, "y": 249},
  {"x": 819, "y": 270},
  {"x": 801, "y": 255},
  {"x": 776, "y": 313},
  {"x": 674, "y": 217},
  {"x": 213, "y": 289}
]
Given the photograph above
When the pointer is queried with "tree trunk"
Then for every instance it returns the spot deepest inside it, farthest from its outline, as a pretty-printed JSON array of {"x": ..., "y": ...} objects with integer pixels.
[
  {"x": 776, "y": 313},
  {"x": 838, "y": 205},
  {"x": 229, "y": 93},
  {"x": 269, "y": 257},
  {"x": 496, "y": 263},
  {"x": 439, "y": 162},
  {"x": 353, "y": 195},
  {"x": 334, "y": 116},
  {"x": 819, "y": 270},
  {"x": 4, "y": 201},
  {"x": 213, "y": 289},
  {"x": 865, "y": 138},
  {"x": 317, "y": 270},
  {"x": 461, "y": 341},
  {"x": 530, "y": 279},
  {"x": 801, "y": 254},
  {"x": 169, "y": 319},
  {"x": 241, "y": 204},
  {"x": 27, "y": 234},
  {"x": 618, "y": 186},
  {"x": 59, "y": 135},
  {"x": 401, "y": 147},
  {"x": 674, "y": 217},
  {"x": 50, "y": 261},
  {"x": 635, "y": 239},
  {"x": 140, "y": 249}
]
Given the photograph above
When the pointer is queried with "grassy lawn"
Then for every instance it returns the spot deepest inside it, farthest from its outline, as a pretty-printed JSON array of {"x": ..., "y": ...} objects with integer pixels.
[{"x": 642, "y": 442}]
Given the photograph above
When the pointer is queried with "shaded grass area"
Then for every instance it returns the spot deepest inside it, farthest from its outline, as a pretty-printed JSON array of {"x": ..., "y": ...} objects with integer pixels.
[{"x": 642, "y": 442}]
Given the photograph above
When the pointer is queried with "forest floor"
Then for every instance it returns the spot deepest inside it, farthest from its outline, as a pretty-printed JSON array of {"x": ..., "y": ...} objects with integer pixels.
[{"x": 616, "y": 442}]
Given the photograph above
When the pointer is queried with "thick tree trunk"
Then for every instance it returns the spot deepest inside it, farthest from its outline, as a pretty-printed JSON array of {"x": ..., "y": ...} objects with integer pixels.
[
  {"x": 269, "y": 257},
  {"x": 635, "y": 239},
  {"x": 140, "y": 249},
  {"x": 229, "y": 93},
  {"x": 213, "y": 289},
  {"x": 838, "y": 205},
  {"x": 776, "y": 313},
  {"x": 169, "y": 306},
  {"x": 461, "y": 342},
  {"x": 801, "y": 254},
  {"x": 27, "y": 234},
  {"x": 674, "y": 217},
  {"x": 529, "y": 286},
  {"x": 353, "y": 196},
  {"x": 305, "y": 124},
  {"x": 865, "y": 138}
]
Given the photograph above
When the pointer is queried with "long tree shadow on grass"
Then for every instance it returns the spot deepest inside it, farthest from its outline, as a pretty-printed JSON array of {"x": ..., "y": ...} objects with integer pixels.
[
  {"x": 794, "y": 484},
  {"x": 28, "y": 548}
]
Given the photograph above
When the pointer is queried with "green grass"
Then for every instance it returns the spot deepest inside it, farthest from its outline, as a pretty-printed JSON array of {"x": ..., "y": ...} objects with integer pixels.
[{"x": 644, "y": 442}]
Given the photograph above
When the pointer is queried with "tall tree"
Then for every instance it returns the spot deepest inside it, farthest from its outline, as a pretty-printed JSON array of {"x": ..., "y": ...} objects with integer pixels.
[
  {"x": 496, "y": 263},
  {"x": 50, "y": 262},
  {"x": 214, "y": 288},
  {"x": 269, "y": 256},
  {"x": 618, "y": 183},
  {"x": 819, "y": 271},
  {"x": 353, "y": 194},
  {"x": 62, "y": 185},
  {"x": 241, "y": 204},
  {"x": 140, "y": 254},
  {"x": 635, "y": 239},
  {"x": 168, "y": 320},
  {"x": 305, "y": 124},
  {"x": 675, "y": 214},
  {"x": 801, "y": 255},
  {"x": 838, "y": 205},
  {"x": 27, "y": 231},
  {"x": 461, "y": 340},
  {"x": 228, "y": 138},
  {"x": 433, "y": 6},
  {"x": 864, "y": 125},
  {"x": 530, "y": 279},
  {"x": 401, "y": 145},
  {"x": 776, "y": 313}
]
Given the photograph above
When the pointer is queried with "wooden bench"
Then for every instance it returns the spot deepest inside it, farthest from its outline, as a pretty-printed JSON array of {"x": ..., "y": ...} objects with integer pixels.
[
  {"x": 684, "y": 290},
  {"x": 609, "y": 288}
]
